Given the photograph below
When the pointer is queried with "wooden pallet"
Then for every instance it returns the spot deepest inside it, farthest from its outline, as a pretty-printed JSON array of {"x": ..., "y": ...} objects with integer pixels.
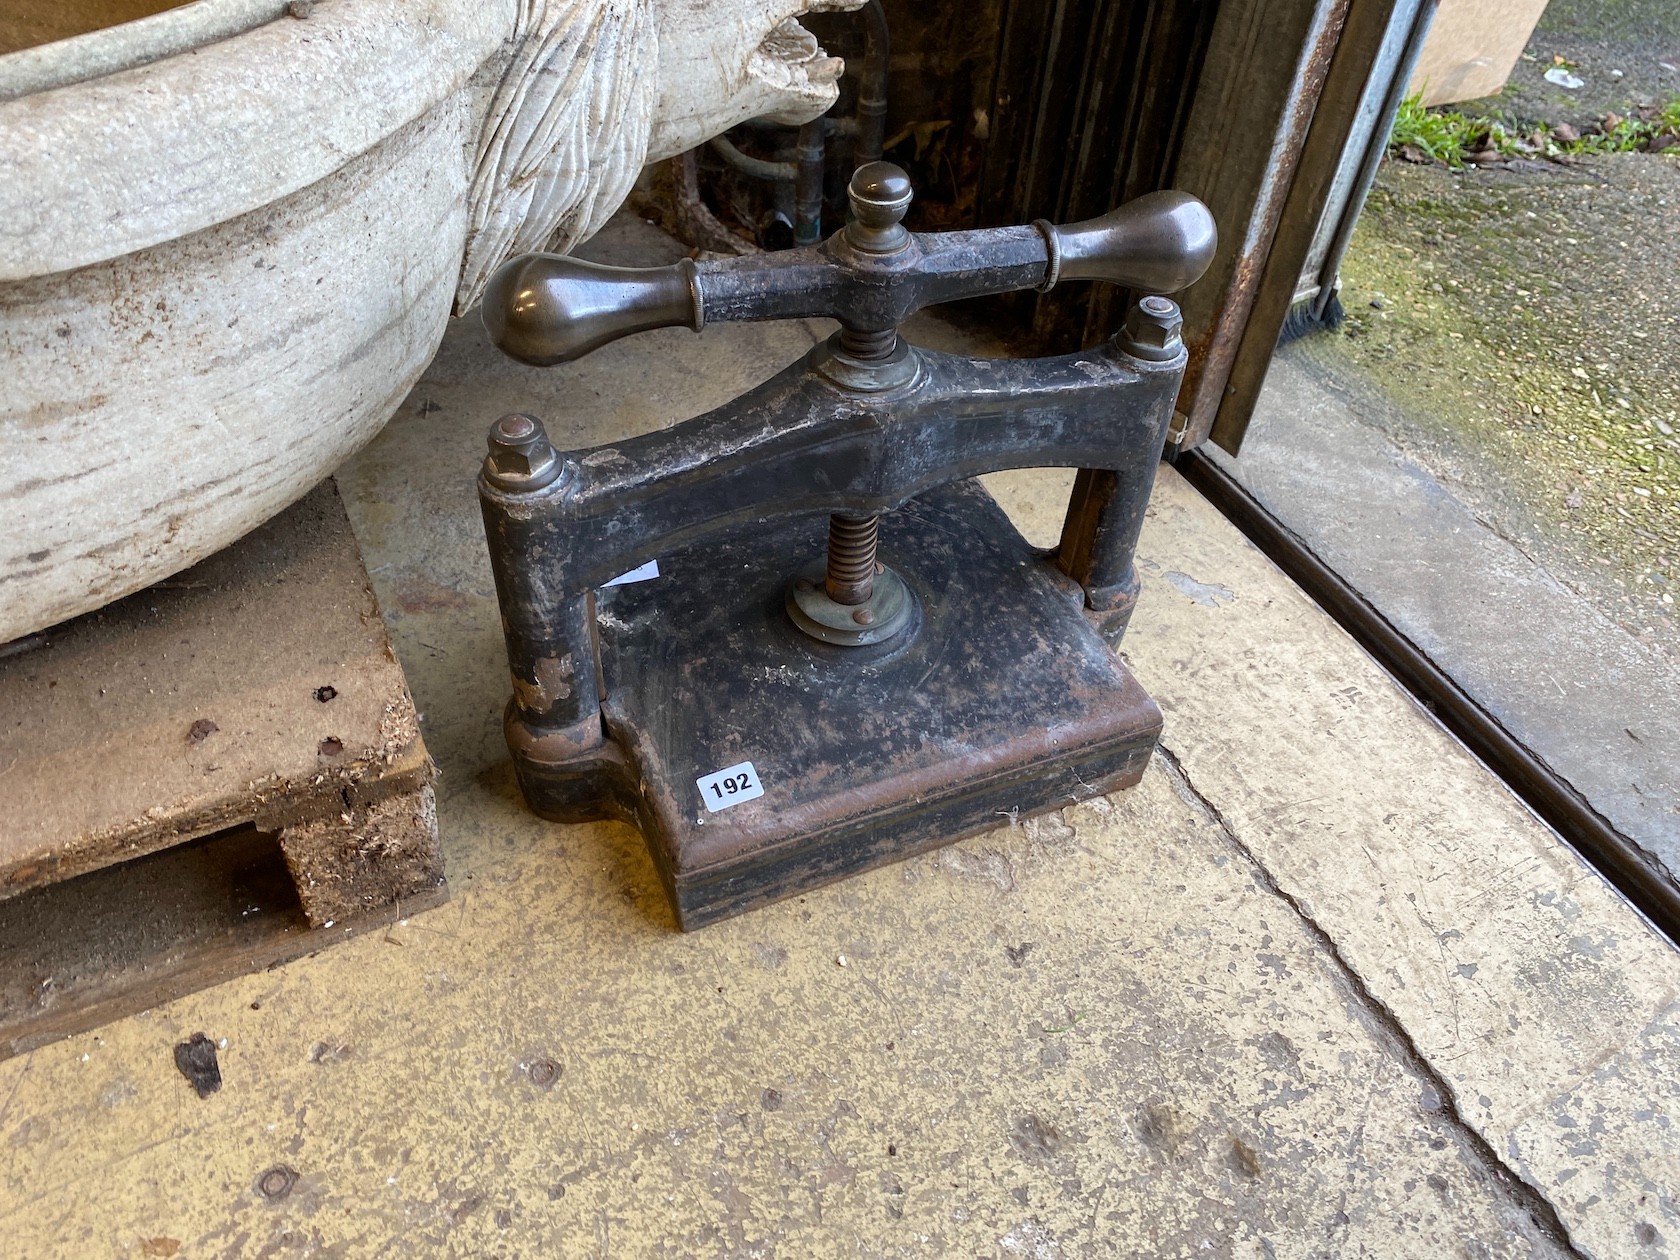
[{"x": 249, "y": 709}]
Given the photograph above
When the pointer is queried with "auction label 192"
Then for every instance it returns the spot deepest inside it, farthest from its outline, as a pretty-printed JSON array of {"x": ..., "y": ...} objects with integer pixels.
[{"x": 730, "y": 786}]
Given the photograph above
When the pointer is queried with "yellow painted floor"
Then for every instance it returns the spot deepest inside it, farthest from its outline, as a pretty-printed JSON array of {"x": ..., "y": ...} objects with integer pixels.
[{"x": 1318, "y": 987}]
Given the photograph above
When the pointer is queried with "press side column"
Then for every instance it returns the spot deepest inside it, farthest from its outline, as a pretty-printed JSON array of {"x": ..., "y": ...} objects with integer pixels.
[{"x": 1105, "y": 512}]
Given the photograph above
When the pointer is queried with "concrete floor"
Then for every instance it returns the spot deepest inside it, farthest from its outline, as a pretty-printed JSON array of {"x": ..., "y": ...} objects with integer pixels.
[{"x": 1317, "y": 987}]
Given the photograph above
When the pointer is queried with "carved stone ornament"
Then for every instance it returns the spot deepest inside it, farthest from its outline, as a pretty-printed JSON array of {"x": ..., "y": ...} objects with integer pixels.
[{"x": 232, "y": 233}]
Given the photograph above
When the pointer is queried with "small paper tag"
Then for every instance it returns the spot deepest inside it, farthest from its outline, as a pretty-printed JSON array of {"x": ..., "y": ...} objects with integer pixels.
[
  {"x": 723, "y": 788},
  {"x": 642, "y": 573}
]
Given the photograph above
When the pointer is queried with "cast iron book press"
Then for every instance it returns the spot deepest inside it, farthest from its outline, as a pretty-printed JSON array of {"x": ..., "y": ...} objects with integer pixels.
[{"x": 849, "y": 654}]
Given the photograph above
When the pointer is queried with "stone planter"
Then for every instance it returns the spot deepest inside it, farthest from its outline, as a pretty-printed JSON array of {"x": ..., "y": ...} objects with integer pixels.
[{"x": 230, "y": 238}]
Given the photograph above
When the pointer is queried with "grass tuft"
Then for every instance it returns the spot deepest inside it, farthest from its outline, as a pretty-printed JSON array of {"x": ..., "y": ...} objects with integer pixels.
[{"x": 1457, "y": 139}]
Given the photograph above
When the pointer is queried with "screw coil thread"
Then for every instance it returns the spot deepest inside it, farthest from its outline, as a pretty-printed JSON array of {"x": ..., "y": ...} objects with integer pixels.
[
  {"x": 868, "y": 345},
  {"x": 852, "y": 541}
]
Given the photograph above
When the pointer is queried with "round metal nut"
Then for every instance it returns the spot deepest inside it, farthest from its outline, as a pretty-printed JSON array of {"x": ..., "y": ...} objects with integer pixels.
[
  {"x": 520, "y": 458},
  {"x": 514, "y": 429},
  {"x": 890, "y": 611},
  {"x": 1152, "y": 330}
]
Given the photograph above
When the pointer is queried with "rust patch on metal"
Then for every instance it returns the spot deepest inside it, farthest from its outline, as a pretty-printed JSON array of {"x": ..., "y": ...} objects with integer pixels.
[
  {"x": 553, "y": 682},
  {"x": 1210, "y": 361}
]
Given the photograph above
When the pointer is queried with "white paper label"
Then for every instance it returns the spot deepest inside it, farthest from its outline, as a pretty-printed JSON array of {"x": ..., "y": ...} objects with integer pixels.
[
  {"x": 723, "y": 788},
  {"x": 642, "y": 573}
]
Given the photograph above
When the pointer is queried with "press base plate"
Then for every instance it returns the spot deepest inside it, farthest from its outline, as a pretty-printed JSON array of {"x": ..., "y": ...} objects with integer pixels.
[{"x": 760, "y": 763}]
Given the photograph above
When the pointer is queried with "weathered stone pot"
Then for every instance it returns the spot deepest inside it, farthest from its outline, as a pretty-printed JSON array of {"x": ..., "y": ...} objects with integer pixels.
[{"x": 230, "y": 238}]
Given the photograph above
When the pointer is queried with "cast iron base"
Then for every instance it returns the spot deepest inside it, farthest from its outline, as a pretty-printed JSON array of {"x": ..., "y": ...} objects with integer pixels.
[{"x": 1001, "y": 701}]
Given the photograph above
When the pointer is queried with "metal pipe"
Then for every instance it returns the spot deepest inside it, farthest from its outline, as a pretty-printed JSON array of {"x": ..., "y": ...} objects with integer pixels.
[
  {"x": 1616, "y": 857},
  {"x": 755, "y": 168},
  {"x": 845, "y": 128},
  {"x": 808, "y": 186},
  {"x": 868, "y": 128},
  {"x": 872, "y": 85}
]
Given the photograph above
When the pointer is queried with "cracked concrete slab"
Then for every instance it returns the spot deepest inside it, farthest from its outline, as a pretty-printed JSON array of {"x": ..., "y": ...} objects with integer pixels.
[
  {"x": 1259, "y": 1006},
  {"x": 1544, "y": 1002},
  {"x": 1518, "y": 974}
]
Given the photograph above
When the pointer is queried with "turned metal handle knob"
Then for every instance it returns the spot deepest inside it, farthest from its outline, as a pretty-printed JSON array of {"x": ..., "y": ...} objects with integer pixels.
[
  {"x": 871, "y": 276},
  {"x": 880, "y": 194},
  {"x": 545, "y": 309},
  {"x": 1160, "y": 242}
]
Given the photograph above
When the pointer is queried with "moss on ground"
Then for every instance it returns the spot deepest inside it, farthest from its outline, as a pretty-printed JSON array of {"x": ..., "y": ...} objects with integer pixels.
[{"x": 1528, "y": 323}]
